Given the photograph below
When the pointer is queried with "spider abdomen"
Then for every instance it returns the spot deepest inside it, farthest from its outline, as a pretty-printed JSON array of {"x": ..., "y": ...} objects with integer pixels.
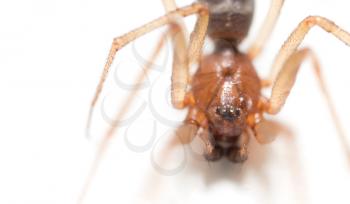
[{"x": 229, "y": 19}]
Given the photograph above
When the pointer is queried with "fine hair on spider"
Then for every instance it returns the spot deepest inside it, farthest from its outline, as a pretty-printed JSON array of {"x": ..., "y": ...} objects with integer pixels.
[{"x": 223, "y": 97}]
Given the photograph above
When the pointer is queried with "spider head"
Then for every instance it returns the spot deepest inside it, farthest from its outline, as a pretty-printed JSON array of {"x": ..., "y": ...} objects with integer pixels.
[{"x": 229, "y": 118}]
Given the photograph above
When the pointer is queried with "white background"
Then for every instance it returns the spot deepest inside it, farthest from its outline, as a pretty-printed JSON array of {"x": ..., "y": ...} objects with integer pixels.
[{"x": 51, "y": 56}]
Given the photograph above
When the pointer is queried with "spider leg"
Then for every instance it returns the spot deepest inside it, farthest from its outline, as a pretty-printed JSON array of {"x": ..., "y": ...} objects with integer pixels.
[
  {"x": 195, "y": 125},
  {"x": 286, "y": 78},
  {"x": 266, "y": 28},
  {"x": 179, "y": 42},
  {"x": 169, "y": 5},
  {"x": 194, "y": 48},
  {"x": 185, "y": 56},
  {"x": 122, "y": 112},
  {"x": 292, "y": 43},
  {"x": 184, "y": 60},
  {"x": 266, "y": 131}
]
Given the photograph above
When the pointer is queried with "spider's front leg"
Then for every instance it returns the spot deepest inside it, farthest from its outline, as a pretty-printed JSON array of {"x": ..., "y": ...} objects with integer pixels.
[
  {"x": 287, "y": 65},
  {"x": 192, "y": 53},
  {"x": 184, "y": 57}
]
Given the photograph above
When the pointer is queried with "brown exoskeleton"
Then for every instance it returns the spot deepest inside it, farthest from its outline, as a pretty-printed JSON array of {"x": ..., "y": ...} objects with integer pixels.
[{"x": 224, "y": 95}]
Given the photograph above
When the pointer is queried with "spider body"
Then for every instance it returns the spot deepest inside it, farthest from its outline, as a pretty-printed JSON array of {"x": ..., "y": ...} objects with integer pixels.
[
  {"x": 226, "y": 88},
  {"x": 226, "y": 91},
  {"x": 224, "y": 96},
  {"x": 229, "y": 19}
]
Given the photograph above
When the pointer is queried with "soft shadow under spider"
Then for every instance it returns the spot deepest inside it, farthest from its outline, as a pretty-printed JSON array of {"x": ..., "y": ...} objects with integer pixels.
[
  {"x": 259, "y": 155},
  {"x": 257, "y": 165}
]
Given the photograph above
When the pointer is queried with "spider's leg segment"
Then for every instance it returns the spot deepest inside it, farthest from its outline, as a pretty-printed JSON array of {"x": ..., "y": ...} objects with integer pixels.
[
  {"x": 179, "y": 85},
  {"x": 194, "y": 48},
  {"x": 266, "y": 29},
  {"x": 288, "y": 61},
  {"x": 169, "y": 5}
]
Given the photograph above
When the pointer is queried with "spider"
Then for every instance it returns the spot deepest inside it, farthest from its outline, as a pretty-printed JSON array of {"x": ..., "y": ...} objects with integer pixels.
[{"x": 223, "y": 97}]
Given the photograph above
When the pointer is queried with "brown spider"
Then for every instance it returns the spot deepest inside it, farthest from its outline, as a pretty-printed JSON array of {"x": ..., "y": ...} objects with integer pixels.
[{"x": 224, "y": 95}]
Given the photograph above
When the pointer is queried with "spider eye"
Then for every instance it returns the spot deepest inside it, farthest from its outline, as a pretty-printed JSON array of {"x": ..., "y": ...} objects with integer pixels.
[
  {"x": 228, "y": 112},
  {"x": 238, "y": 112},
  {"x": 245, "y": 102}
]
